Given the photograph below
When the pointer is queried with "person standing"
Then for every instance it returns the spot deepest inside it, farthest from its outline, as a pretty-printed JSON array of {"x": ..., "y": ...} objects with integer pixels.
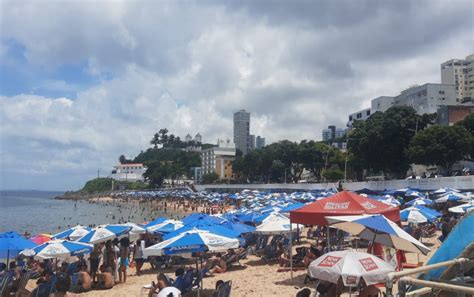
[
  {"x": 95, "y": 260},
  {"x": 138, "y": 255},
  {"x": 124, "y": 253}
]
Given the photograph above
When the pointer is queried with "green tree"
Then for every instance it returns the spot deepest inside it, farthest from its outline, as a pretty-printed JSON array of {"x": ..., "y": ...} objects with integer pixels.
[
  {"x": 155, "y": 140},
  {"x": 98, "y": 185},
  {"x": 440, "y": 145},
  {"x": 333, "y": 174},
  {"x": 381, "y": 141},
  {"x": 122, "y": 159},
  {"x": 210, "y": 178},
  {"x": 468, "y": 123}
]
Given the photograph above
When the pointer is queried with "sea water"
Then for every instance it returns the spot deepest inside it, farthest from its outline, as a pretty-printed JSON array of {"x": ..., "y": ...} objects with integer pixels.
[{"x": 38, "y": 212}]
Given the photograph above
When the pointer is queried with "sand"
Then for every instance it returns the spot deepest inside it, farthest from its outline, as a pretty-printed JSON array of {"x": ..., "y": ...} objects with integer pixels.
[{"x": 254, "y": 278}]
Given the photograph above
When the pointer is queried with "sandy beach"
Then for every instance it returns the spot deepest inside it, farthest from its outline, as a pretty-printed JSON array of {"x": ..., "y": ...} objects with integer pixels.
[{"x": 254, "y": 278}]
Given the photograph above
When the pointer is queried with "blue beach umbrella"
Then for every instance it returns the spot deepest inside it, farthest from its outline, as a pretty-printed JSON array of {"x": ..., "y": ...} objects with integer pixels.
[
  {"x": 419, "y": 214},
  {"x": 105, "y": 233},
  {"x": 419, "y": 201},
  {"x": 165, "y": 227},
  {"x": 215, "y": 228},
  {"x": 11, "y": 246},
  {"x": 155, "y": 222},
  {"x": 451, "y": 196},
  {"x": 59, "y": 249},
  {"x": 73, "y": 233},
  {"x": 200, "y": 217},
  {"x": 190, "y": 242},
  {"x": 238, "y": 227},
  {"x": 377, "y": 228}
]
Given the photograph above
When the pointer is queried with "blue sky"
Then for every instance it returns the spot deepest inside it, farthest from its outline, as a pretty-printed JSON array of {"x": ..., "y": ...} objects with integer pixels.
[{"x": 82, "y": 83}]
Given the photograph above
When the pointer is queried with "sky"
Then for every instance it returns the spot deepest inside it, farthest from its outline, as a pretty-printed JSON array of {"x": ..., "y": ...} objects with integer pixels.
[{"x": 82, "y": 82}]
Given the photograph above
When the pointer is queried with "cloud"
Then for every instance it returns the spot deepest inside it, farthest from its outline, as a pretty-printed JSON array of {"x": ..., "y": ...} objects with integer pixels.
[{"x": 296, "y": 66}]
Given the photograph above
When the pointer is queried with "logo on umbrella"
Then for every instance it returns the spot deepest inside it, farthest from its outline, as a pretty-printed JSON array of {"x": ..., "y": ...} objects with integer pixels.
[
  {"x": 368, "y": 264},
  {"x": 334, "y": 205},
  {"x": 329, "y": 261}
]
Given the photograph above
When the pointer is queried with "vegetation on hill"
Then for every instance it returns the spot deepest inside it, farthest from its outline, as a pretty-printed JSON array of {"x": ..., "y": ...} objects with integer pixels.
[{"x": 104, "y": 184}]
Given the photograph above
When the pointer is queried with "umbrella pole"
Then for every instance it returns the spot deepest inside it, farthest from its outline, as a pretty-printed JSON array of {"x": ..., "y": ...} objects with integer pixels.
[
  {"x": 328, "y": 238},
  {"x": 197, "y": 271},
  {"x": 291, "y": 251},
  {"x": 8, "y": 257}
]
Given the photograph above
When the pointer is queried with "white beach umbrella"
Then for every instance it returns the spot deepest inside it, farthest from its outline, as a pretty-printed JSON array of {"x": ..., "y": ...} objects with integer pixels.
[
  {"x": 463, "y": 208},
  {"x": 73, "y": 233},
  {"x": 274, "y": 224},
  {"x": 104, "y": 233},
  {"x": 58, "y": 249},
  {"x": 351, "y": 266},
  {"x": 166, "y": 226}
]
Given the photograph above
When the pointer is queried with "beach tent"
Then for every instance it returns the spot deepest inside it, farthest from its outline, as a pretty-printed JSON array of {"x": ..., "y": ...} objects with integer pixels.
[
  {"x": 73, "y": 233},
  {"x": 377, "y": 228},
  {"x": 58, "y": 249},
  {"x": 351, "y": 266},
  {"x": 342, "y": 203},
  {"x": 275, "y": 224}
]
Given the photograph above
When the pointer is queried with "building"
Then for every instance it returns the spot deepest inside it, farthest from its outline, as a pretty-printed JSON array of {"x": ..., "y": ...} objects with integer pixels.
[
  {"x": 381, "y": 103},
  {"x": 128, "y": 172},
  {"x": 460, "y": 73},
  {"x": 339, "y": 133},
  {"x": 252, "y": 142},
  {"x": 242, "y": 131},
  {"x": 326, "y": 134},
  {"x": 188, "y": 138},
  {"x": 196, "y": 173},
  {"x": 451, "y": 114},
  {"x": 361, "y": 115},
  {"x": 198, "y": 138},
  {"x": 427, "y": 98},
  {"x": 259, "y": 142},
  {"x": 219, "y": 159}
]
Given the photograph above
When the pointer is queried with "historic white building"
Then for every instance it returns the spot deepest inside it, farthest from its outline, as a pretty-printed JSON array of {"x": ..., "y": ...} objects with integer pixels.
[{"x": 128, "y": 172}]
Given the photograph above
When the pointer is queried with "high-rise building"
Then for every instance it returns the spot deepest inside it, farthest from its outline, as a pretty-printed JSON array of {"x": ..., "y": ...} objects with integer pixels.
[
  {"x": 252, "y": 142},
  {"x": 326, "y": 134},
  {"x": 259, "y": 142},
  {"x": 332, "y": 133},
  {"x": 219, "y": 159},
  {"x": 242, "y": 131},
  {"x": 427, "y": 98},
  {"x": 460, "y": 73}
]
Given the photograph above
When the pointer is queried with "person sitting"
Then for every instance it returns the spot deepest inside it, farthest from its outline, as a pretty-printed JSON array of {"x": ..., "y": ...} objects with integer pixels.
[
  {"x": 105, "y": 280},
  {"x": 62, "y": 286},
  {"x": 44, "y": 288},
  {"x": 220, "y": 265},
  {"x": 312, "y": 253},
  {"x": 283, "y": 256},
  {"x": 180, "y": 281},
  {"x": 84, "y": 281}
]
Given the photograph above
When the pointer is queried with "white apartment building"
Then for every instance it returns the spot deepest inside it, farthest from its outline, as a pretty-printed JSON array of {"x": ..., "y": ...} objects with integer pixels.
[
  {"x": 360, "y": 115},
  {"x": 427, "y": 98},
  {"x": 218, "y": 159},
  {"x": 381, "y": 103},
  {"x": 128, "y": 172},
  {"x": 460, "y": 73}
]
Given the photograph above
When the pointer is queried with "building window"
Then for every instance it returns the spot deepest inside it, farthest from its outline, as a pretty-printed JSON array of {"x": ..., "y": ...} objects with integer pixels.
[
  {"x": 368, "y": 112},
  {"x": 350, "y": 118},
  {"x": 441, "y": 92},
  {"x": 359, "y": 115}
]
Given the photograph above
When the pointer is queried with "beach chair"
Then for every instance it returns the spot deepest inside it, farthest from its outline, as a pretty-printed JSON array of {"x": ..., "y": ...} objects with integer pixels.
[
  {"x": 4, "y": 283},
  {"x": 185, "y": 284},
  {"x": 223, "y": 290}
]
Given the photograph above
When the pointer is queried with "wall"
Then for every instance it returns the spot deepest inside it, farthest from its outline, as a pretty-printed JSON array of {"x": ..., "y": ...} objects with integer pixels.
[{"x": 458, "y": 182}]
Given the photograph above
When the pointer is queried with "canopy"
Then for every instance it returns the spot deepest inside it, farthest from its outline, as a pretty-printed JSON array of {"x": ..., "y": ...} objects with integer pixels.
[
  {"x": 190, "y": 242},
  {"x": 351, "y": 266},
  {"x": 342, "y": 203},
  {"x": 378, "y": 228}
]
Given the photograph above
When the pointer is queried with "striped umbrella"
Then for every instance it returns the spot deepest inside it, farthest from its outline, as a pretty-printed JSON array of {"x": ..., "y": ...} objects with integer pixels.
[
  {"x": 104, "y": 233},
  {"x": 73, "y": 233},
  {"x": 58, "y": 249}
]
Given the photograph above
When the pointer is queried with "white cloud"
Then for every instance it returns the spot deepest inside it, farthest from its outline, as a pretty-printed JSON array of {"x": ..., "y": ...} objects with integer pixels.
[{"x": 297, "y": 67}]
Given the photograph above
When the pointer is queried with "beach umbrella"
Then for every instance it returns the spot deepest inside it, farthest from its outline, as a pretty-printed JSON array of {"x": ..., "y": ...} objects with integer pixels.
[
  {"x": 377, "y": 228},
  {"x": 41, "y": 238},
  {"x": 275, "y": 224},
  {"x": 444, "y": 191},
  {"x": 238, "y": 227},
  {"x": 11, "y": 246},
  {"x": 155, "y": 222},
  {"x": 351, "y": 267},
  {"x": 136, "y": 229},
  {"x": 58, "y": 249},
  {"x": 213, "y": 228},
  {"x": 419, "y": 214},
  {"x": 450, "y": 196},
  {"x": 463, "y": 208},
  {"x": 10, "y": 234},
  {"x": 104, "y": 233},
  {"x": 419, "y": 201},
  {"x": 190, "y": 242},
  {"x": 73, "y": 233},
  {"x": 200, "y": 217},
  {"x": 165, "y": 227}
]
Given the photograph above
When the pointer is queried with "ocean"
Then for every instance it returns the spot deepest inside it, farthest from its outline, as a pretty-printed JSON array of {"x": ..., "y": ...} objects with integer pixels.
[{"x": 38, "y": 212}]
